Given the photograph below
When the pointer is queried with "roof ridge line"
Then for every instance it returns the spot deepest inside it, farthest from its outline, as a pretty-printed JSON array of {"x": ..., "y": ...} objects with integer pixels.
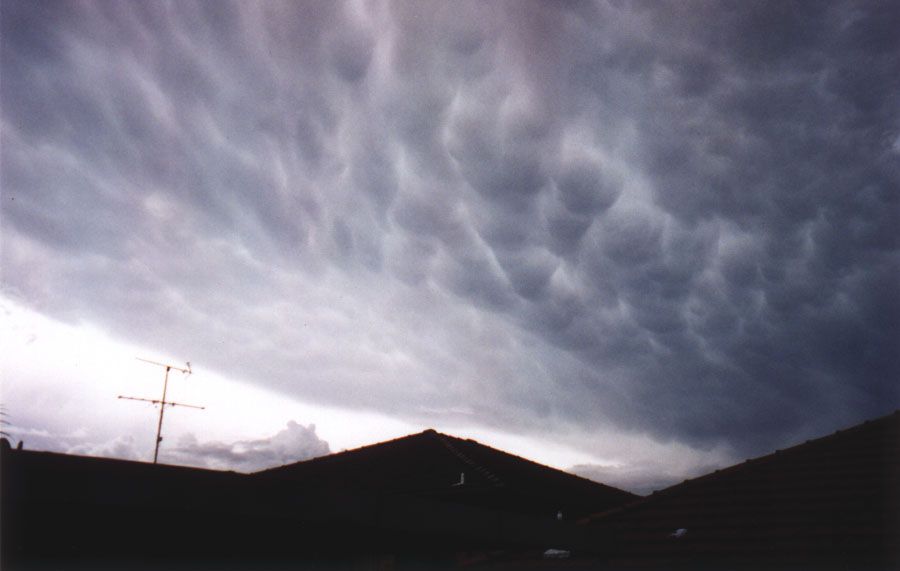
[
  {"x": 335, "y": 456},
  {"x": 493, "y": 478},
  {"x": 777, "y": 454},
  {"x": 123, "y": 461},
  {"x": 559, "y": 471}
]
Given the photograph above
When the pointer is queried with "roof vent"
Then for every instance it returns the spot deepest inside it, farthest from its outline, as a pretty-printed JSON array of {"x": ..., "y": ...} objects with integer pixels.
[
  {"x": 680, "y": 532},
  {"x": 462, "y": 480}
]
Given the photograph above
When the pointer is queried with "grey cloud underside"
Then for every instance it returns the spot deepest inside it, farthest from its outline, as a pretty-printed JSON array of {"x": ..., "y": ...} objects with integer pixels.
[{"x": 673, "y": 218}]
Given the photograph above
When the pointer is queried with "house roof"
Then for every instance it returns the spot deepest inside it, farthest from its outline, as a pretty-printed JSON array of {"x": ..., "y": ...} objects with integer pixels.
[
  {"x": 91, "y": 480},
  {"x": 835, "y": 499},
  {"x": 433, "y": 464},
  {"x": 397, "y": 496}
]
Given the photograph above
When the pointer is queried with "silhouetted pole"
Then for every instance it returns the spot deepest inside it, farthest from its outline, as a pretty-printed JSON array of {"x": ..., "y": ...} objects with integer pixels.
[
  {"x": 162, "y": 410},
  {"x": 163, "y": 402}
]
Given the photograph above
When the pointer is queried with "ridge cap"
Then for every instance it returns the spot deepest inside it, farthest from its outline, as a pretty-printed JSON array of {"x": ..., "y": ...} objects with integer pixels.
[{"x": 495, "y": 480}]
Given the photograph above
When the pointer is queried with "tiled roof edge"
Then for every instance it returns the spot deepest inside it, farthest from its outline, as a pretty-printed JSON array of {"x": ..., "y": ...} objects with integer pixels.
[
  {"x": 97, "y": 459},
  {"x": 491, "y": 477},
  {"x": 569, "y": 475},
  {"x": 777, "y": 454},
  {"x": 344, "y": 453}
]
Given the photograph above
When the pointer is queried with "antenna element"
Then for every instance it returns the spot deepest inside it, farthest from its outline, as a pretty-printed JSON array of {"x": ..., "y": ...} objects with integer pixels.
[{"x": 163, "y": 402}]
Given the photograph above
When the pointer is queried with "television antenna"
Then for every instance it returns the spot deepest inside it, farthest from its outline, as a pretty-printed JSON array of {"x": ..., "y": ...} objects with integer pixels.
[
  {"x": 163, "y": 402},
  {"x": 3, "y": 422}
]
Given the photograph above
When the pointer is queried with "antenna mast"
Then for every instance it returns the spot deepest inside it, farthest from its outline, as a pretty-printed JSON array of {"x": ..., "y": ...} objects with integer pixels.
[
  {"x": 163, "y": 402},
  {"x": 3, "y": 422}
]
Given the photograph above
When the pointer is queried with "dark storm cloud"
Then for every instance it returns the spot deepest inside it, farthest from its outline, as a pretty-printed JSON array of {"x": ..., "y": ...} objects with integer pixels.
[{"x": 676, "y": 219}]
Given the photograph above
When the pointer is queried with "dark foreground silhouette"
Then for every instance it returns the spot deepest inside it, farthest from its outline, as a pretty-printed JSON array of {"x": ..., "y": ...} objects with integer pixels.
[{"x": 432, "y": 501}]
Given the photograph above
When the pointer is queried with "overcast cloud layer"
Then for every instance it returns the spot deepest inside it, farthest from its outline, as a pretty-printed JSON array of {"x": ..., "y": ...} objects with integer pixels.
[{"x": 674, "y": 219}]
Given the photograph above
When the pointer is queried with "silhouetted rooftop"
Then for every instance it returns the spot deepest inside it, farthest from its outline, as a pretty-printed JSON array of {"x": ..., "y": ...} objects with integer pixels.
[
  {"x": 833, "y": 500},
  {"x": 432, "y": 464},
  {"x": 404, "y": 496}
]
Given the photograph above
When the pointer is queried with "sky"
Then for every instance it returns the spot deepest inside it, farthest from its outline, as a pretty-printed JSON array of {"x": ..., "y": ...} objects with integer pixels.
[{"x": 636, "y": 240}]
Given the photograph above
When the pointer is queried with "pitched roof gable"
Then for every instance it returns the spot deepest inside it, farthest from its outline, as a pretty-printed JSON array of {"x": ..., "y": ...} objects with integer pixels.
[
  {"x": 839, "y": 493},
  {"x": 433, "y": 464}
]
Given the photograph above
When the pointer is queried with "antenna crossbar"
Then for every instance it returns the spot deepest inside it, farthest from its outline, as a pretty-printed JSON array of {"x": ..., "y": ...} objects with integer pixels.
[
  {"x": 167, "y": 403},
  {"x": 186, "y": 371}
]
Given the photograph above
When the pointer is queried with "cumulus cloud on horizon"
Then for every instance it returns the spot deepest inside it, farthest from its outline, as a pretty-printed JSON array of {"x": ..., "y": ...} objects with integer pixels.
[
  {"x": 294, "y": 443},
  {"x": 122, "y": 447},
  {"x": 540, "y": 217}
]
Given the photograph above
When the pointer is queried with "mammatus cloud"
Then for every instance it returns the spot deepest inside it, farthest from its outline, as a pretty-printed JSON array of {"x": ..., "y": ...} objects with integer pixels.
[
  {"x": 293, "y": 444},
  {"x": 555, "y": 217}
]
